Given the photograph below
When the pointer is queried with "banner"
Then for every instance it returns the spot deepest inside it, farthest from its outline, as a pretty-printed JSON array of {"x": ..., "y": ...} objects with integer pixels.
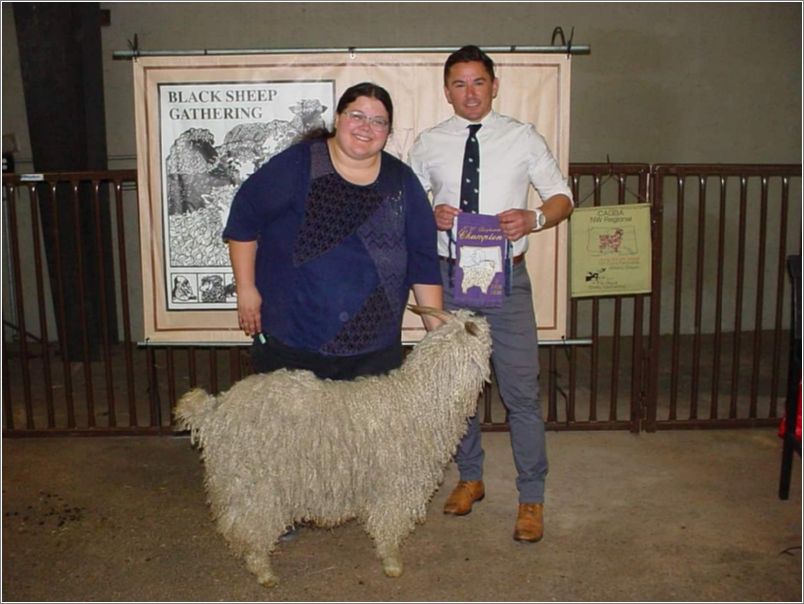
[
  {"x": 205, "y": 123},
  {"x": 213, "y": 137},
  {"x": 482, "y": 257},
  {"x": 610, "y": 250}
]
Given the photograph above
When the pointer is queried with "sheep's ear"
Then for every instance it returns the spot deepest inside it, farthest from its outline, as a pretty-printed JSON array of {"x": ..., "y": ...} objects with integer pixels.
[{"x": 472, "y": 327}]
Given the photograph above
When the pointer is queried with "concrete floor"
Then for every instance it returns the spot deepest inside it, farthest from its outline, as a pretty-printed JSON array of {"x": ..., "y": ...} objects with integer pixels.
[{"x": 671, "y": 516}]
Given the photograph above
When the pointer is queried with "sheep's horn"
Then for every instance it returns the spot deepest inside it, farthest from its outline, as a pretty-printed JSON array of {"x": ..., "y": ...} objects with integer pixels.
[{"x": 429, "y": 310}]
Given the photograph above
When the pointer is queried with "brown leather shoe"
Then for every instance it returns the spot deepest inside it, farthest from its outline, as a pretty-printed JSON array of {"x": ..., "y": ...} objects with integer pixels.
[
  {"x": 465, "y": 493},
  {"x": 529, "y": 522}
]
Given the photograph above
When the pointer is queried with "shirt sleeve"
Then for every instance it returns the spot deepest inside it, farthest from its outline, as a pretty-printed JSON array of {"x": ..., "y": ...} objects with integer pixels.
[
  {"x": 264, "y": 194},
  {"x": 420, "y": 235},
  {"x": 543, "y": 170},
  {"x": 416, "y": 160}
]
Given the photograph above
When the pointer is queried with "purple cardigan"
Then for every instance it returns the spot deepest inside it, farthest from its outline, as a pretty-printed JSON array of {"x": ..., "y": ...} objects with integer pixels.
[{"x": 335, "y": 261}]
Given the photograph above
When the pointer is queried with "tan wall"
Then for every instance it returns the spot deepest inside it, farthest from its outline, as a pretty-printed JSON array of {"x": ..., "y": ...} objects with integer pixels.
[
  {"x": 663, "y": 83},
  {"x": 678, "y": 83}
]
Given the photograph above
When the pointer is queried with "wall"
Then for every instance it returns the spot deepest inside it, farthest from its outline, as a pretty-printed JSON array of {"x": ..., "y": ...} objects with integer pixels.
[
  {"x": 677, "y": 83},
  {"x": 663, "y": 83}
]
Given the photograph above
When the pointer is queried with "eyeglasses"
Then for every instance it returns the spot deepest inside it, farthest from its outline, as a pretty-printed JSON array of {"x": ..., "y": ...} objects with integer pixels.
[{"x": 376, "y": 122}]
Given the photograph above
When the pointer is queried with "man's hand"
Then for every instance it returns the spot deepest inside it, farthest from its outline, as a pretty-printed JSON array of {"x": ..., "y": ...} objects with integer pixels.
[
  {"x": 249, "y": 302},
  {"x": 516, "y": 223},
  {"x": 445, "y": 216}
]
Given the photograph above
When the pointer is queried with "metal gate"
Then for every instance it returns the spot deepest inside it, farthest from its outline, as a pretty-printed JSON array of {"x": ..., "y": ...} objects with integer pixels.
[
  {"x": 722, "y": 232},
  {"x": 707, "y": 348}
]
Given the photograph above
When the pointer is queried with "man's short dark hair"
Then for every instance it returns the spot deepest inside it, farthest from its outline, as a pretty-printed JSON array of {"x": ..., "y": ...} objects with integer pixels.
[{"x": 468, "y": 54}]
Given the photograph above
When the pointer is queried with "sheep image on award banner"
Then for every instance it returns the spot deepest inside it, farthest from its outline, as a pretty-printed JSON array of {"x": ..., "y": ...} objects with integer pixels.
[{"x": 287, "y": 447}]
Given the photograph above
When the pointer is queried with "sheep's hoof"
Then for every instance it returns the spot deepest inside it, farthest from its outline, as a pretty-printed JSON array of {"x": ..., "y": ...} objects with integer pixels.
[
  {"x": 261, "y": 567},
  {"x": 392, "y": 568},
  {"x": 268, "y": 580}
]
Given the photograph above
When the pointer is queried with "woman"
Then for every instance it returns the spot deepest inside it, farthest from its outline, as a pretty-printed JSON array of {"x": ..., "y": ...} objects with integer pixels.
[{"x": 326, "y": 240}]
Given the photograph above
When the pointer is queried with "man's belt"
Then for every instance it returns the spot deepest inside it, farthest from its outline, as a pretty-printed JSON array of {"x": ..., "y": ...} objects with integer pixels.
[{"x": 517, "y": 259}]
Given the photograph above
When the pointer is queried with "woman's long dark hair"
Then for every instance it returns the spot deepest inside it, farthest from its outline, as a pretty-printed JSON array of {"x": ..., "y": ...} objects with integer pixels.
[{"x": 367, "y": 89}]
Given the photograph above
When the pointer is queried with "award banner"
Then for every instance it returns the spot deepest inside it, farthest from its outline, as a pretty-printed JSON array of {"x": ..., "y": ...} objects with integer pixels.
[
  {"x": 482, "y": 254},
  {"x": 610, "y": 250}
]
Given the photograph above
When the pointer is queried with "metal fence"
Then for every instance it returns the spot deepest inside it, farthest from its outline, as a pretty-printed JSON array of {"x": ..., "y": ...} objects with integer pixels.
[
  {"x": 707, "y": 348},
  {"x": 720, "y": 286}
]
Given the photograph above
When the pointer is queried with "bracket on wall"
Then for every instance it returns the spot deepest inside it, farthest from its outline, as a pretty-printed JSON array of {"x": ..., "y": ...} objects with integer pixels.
[
  {"x": 133, "y": 47},
  {"x": 558, "y": 31}
]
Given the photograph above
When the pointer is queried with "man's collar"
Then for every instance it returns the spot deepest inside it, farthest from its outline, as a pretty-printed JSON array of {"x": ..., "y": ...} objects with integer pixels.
[{"x": 461, "y": 122}]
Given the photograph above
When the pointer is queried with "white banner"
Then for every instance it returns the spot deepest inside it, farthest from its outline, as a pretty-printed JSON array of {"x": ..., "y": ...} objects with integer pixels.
[{"x": 204, "y": 124}]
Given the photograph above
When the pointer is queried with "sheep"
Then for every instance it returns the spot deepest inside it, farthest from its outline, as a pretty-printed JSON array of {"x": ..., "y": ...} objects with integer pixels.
[{"x": 287, "y": 447}]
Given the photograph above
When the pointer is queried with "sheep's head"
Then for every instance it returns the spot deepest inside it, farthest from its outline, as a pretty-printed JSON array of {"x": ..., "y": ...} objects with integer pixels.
[{"x": 462, "y": 333}]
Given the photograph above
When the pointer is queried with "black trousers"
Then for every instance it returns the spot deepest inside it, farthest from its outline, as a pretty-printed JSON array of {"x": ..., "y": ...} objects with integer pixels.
[{"x": 269, "y": 354}]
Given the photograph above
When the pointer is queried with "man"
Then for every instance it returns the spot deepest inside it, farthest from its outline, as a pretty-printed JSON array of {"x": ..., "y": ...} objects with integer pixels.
[{"x": 512, "y": 155}]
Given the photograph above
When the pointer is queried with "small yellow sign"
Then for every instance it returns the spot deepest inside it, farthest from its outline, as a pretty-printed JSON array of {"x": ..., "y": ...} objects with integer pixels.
[{"x": 610, "y": 250}]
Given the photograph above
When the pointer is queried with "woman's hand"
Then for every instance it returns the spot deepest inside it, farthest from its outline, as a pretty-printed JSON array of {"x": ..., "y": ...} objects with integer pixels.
[
  {"x": 249, "y": 302},
  {"x": 432, "y": 296}
]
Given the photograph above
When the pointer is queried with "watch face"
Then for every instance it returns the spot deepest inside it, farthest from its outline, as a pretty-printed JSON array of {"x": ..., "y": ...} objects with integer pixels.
[{"x": 541, "y": 219}]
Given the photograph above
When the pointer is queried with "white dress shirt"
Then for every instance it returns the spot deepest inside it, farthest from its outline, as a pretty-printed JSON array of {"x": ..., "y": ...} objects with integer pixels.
[{"x": 512, "y": 157}]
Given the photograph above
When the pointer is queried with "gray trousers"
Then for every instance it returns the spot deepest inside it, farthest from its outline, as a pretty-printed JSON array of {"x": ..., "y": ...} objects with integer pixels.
[{"x": 515, "y": 357}]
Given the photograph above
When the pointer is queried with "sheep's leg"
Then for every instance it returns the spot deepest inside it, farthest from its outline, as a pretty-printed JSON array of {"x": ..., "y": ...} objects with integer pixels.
[
  {"x": 260, "y": 565},
  {"x": 387, "y": 531},
  {"x": 391, "y": 560},
  {"x": 255, "y": 547}
]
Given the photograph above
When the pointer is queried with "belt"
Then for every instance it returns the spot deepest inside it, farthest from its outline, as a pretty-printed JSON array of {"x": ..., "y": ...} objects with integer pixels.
[{"x": 517, "y": 259}]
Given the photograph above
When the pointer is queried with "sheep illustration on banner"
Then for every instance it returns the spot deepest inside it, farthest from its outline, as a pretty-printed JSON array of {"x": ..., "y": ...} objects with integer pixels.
[
  {"x": 213, "y": 137},
  {"x": 482, "y": 254}
]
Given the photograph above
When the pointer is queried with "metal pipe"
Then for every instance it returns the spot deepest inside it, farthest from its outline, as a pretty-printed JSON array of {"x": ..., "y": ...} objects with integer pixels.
[
  {"x": 104, "y": 304},
  {"x": 572, "y": 49},
  {"x": 699, "y": 293},
  {"x": 760, "y": 292},
  {"x": 127, "y": 345},
  {"x": 8, "y": 409},
  {"x": 18, "y": 300},
  {"x": 36, "y": 227},
  {"x": 80, "y": 253},
  {"x": 657, "y": 226},
  {"x": 191, "y": 366},
  {"x": 552, "y": 399},
  {"x": 595, "y": 325},
  {"x": 638, "y": 364},
  {"x": 192, "y": 345},
  {"x": 780, "y": 281},
  {"x": 721, "y": 256},
  {"x": 171, "y": 380},
  {"x": 234, "y": 365},
  {"x": 678, "y": 284},
  {"x": 738, "y": 303},
  {"x": 213, "y": 370},
  {"x": 62, "y": 320}
]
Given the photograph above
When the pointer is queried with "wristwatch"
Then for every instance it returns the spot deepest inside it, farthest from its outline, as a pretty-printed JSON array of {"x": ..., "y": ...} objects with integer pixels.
[{"x": 541, "y": 220}]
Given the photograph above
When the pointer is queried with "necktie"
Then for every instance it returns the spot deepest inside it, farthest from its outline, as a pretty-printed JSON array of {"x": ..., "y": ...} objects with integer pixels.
[{"x": 470, "y": 177}]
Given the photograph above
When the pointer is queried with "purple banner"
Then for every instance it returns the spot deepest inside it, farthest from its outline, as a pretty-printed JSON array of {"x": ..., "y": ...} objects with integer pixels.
[{"x": 479, "y": 277}]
